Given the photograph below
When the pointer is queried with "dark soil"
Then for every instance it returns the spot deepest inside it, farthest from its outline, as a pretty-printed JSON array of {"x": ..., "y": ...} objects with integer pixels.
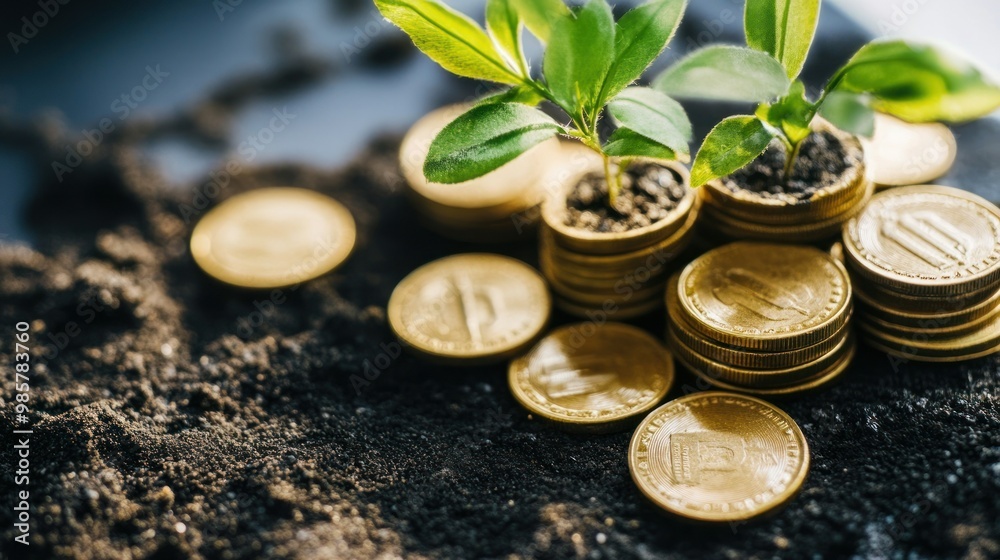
[
  {"x": 822, "y": 160},
  {"x": 648, "y": 193},
  {"x": 175, "y": 417}
]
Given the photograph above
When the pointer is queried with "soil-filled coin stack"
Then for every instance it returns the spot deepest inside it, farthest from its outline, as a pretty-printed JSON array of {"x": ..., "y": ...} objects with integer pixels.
[
  {"x": 498, "y": 206},
  {"x": 828, "y": 186},
  {"x": 761, "y": 318},
  {"x": 902, "y": 153},
  {"x": 926, "y": 267},
  {"x": 615, "y": 262}
]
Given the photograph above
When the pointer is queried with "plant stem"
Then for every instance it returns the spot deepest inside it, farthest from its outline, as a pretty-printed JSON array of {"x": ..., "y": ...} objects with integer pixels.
[
  {"x": 613, "y": 184},
  {"x": 790, "y": 158}
]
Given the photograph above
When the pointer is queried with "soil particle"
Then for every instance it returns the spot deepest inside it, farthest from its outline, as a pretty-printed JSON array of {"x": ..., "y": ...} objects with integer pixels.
[
  {"x": 822, "y": 160},
  {"x": 649, "y": 192}
]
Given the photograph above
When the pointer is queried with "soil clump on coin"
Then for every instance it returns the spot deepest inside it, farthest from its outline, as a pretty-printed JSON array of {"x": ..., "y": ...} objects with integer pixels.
[
  {"x": 648, "y": 193},
  {"x": 823, "y": 160}
]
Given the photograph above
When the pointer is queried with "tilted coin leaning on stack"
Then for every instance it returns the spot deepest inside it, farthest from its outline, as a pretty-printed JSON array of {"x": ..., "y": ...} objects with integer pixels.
[
  {"x": 752, "y": 203},
  {"x": 499, "y": 206},
  {"x": 761, "y": 318},
  {"x": 925, "y": 261},
  {"x": 594, "y": 262}
]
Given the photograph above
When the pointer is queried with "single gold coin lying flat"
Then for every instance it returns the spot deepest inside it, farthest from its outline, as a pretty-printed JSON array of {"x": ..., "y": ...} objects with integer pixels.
[
  {"x": 580, "y": 376},
  {"x": 470, "y": 308},
  {"x": 902, "y": 153},
  {"x": 269, "y": 238},
  {"x": 760, "y": 296},
  {"x": 718, "y": 457},
  {"x": 926, "y": 241}
]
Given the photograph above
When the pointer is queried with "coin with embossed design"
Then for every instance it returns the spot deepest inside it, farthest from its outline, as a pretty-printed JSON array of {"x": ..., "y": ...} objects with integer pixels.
[
  {"x": 718, "y": 457},
  {"x": 274, "y": 237},
  {"x": 760, "y": 296},
  {"x": 580, "y": 376},
  {"x": 926, "y": 241},
  {"x": 470, "y": 308}
]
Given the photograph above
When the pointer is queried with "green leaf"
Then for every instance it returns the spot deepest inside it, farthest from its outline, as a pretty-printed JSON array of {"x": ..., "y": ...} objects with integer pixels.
[
  {"x": 849, "y": 112},
  {"x": 539, "y": 15},
  {"x": 449, "y": 38},
  {"x": 579, "y": 56},
  {"x": 504, "y": 25},
  {"x": 641, "y": 36},
  {"x": 782, "y": 28},
  {"x": 517, "y": 94},
  {"x": 918, "y": 83},
  {"x": 625, "y": 143},
  {"x": 731, "y": 145},
  {"x": 792, "y": 114},
  {"x": 654, "y": 115},
  {"x": 485, "y": 138},
  {"x": 725, "y": 73}
]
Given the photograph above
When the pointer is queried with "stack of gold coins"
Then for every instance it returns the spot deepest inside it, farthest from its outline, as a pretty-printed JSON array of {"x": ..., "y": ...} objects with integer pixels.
[
  {"x": 613, "y": 274},
  {"x": 762, "y": 319},
  {"x": 732, "y": 211},
  {"x": 469, "y": 309},
  {"x": 579, "y": 378},
  {"x": 495, "y": 207},
  {"x": 902, "y": 153},
  {"x": 926, "y": 267}
]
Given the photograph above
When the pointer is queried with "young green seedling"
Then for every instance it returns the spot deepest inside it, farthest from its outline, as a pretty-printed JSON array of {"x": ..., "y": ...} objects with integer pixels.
[
  {"x": 590, "y": 63},
  {"x": 915, "y": 82}
]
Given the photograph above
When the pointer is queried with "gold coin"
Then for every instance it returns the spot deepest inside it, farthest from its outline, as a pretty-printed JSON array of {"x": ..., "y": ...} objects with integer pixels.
[
  {"x": 902, "y": 153},
  {"x": 802, "y": 214},
  {"x": 578, "y": 376},
  {"x": 752, "y": 378},
  {"x": 470, "y": 308},
  {"x": 738, "y": 357},
  {"x": 893, "y": 302},
  {"x": 926, "y": 241},
  {"x": 718, "y": 457},
  {"x": 610, "y": 243},
  {"x": 513, "y": 181},
  {"x": 807, "y": 232},
  {"x": 952, "y": 311},
  {"x": 933, "y": 329},
  {"x": 274, "y": 237},
  {"x": 922, "y": 347},
  {"x": 816, "y": 383},
  {"x": 664, "y": 251},
  {"x": 760, "y": 296}
]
